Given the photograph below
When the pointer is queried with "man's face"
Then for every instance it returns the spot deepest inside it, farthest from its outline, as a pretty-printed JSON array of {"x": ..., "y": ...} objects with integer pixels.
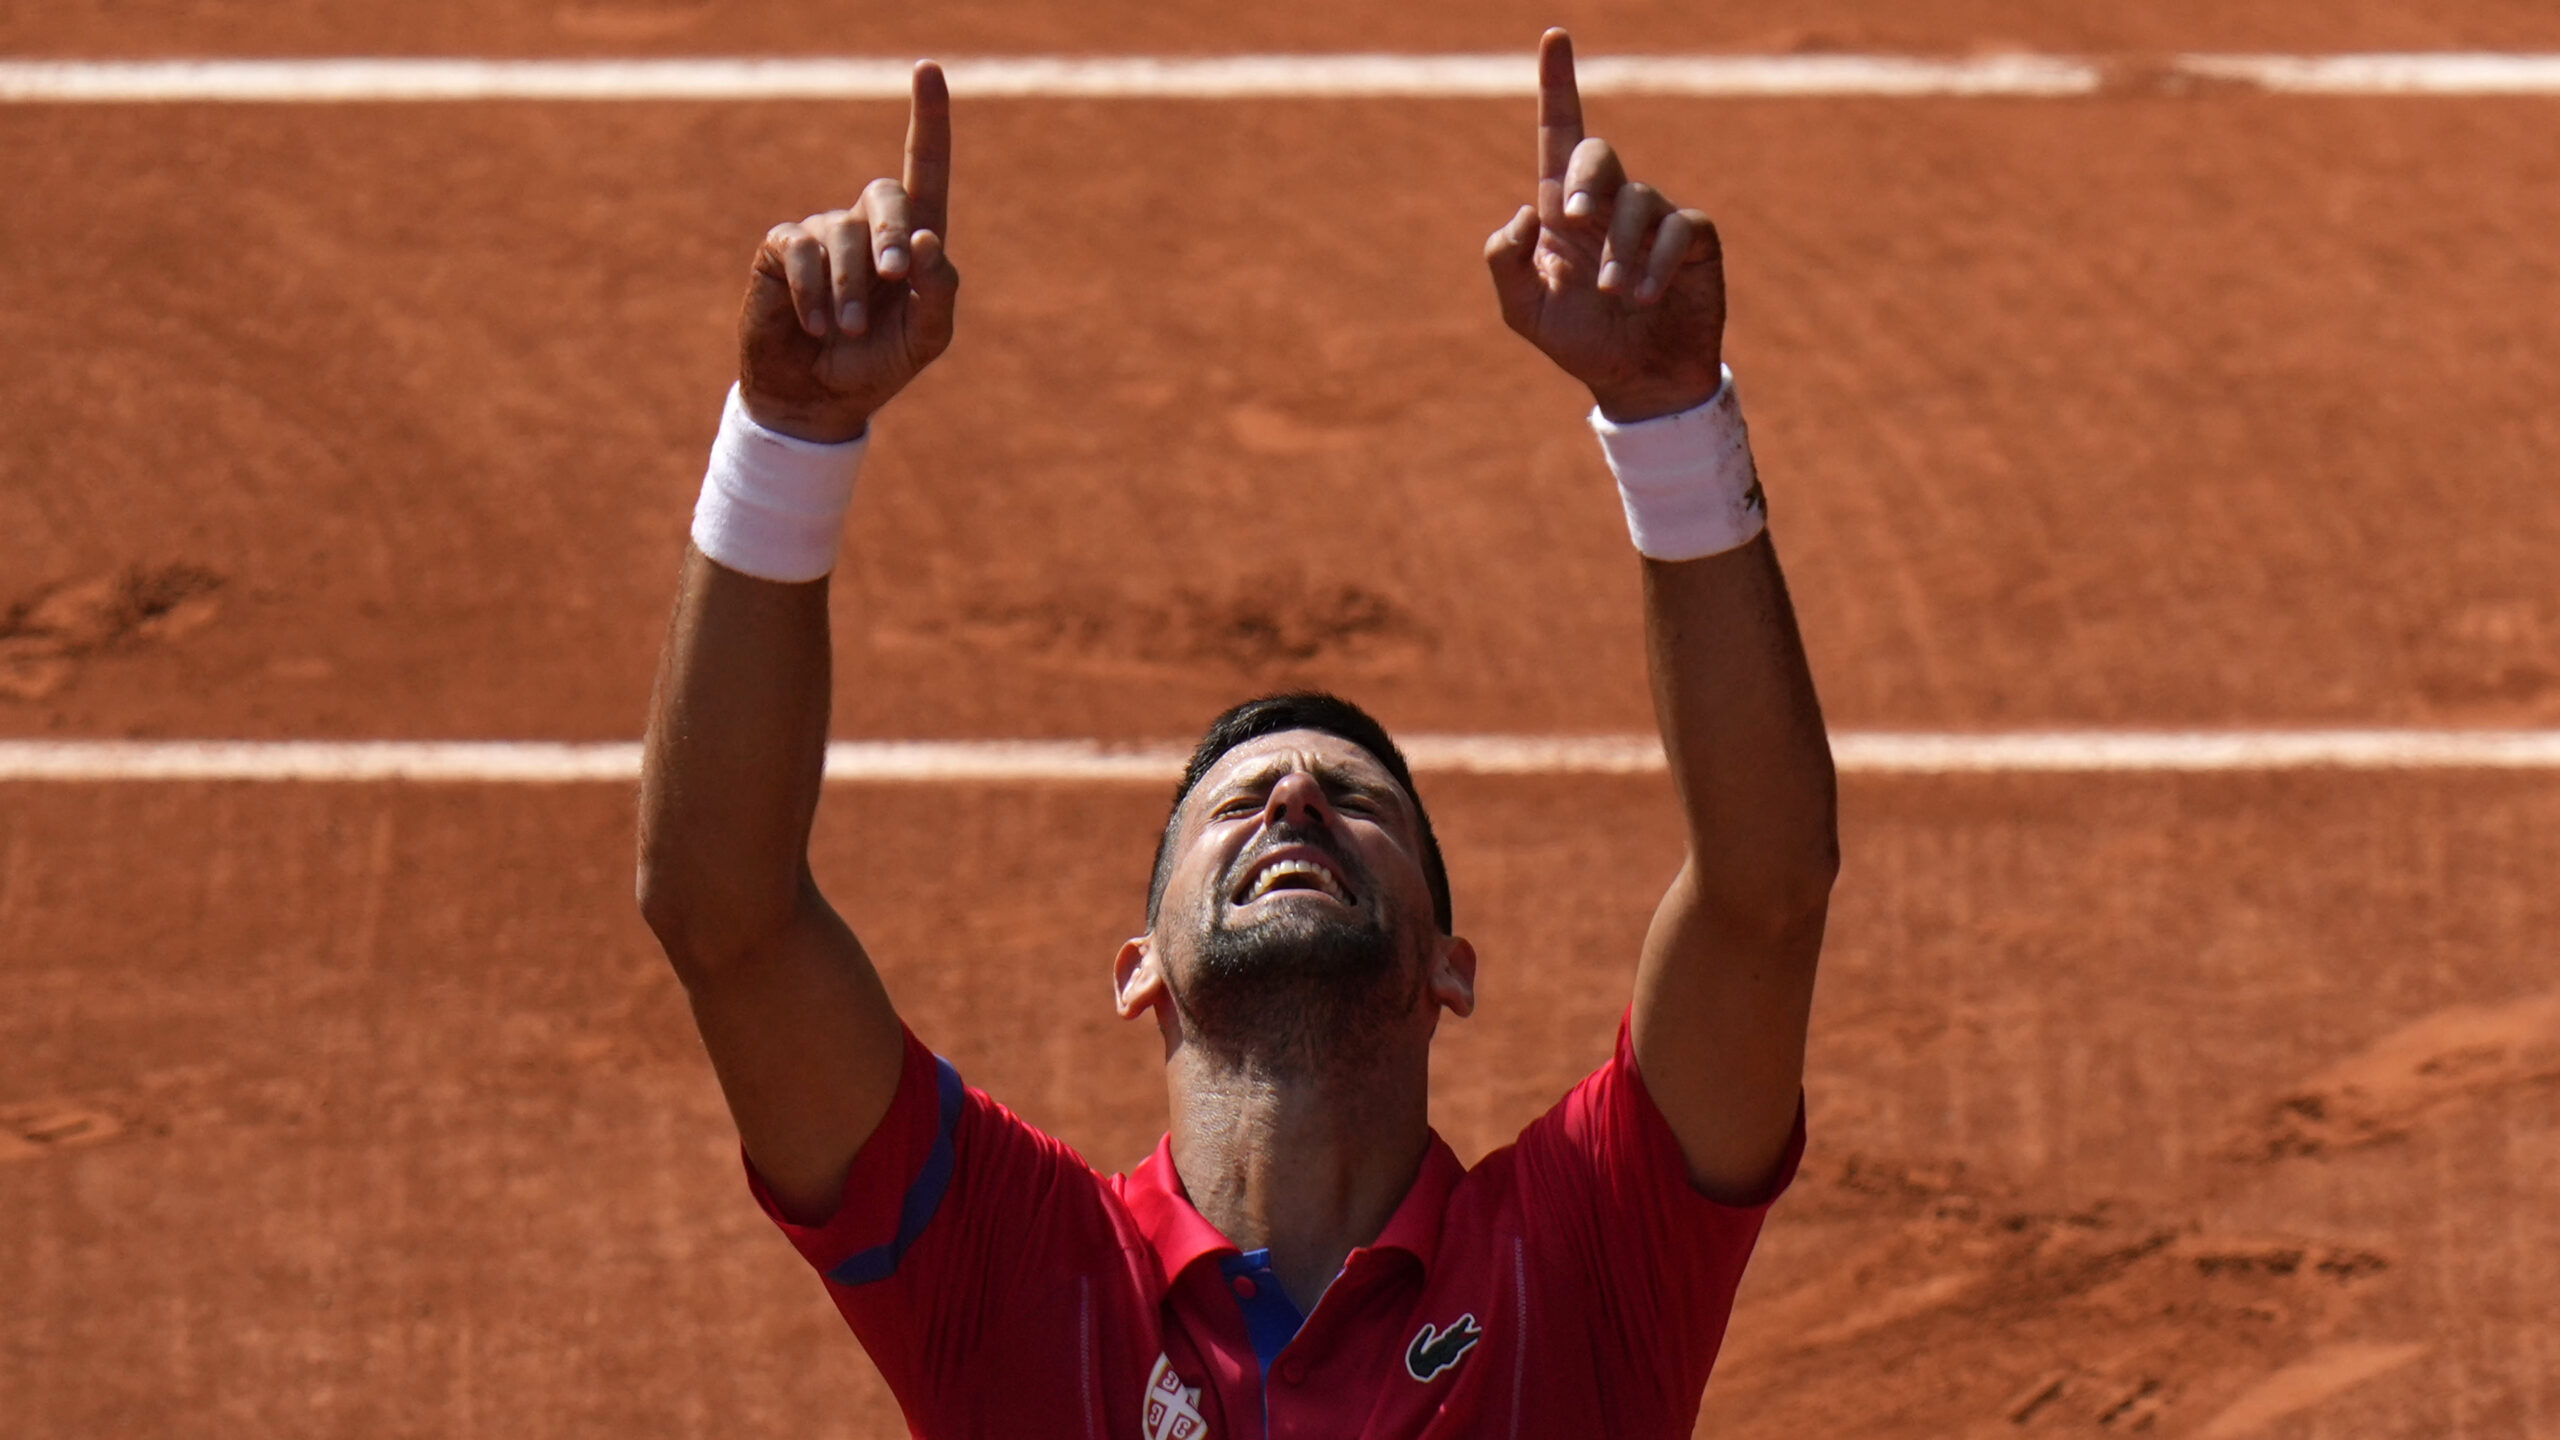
[{"x": 1297, "y": 913}]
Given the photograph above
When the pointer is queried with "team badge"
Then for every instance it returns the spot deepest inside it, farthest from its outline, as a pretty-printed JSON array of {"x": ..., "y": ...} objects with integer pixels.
[
  {"x": 1434, "y": 1349},
  {"x": 1173, "y": 1408}
]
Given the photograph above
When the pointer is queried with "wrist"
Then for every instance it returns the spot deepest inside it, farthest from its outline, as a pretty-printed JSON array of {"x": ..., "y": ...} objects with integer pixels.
[
  {"x": 1686, "y": 477},
  {"x": 773, "y": 503},
  {"x": 1652, "y": 398},
  {"x": 818, "y": 425}
]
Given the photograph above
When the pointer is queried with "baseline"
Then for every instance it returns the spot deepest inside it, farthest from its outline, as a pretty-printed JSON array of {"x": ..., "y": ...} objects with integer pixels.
[
  {"x": 1858, "y": 752},
  {"x": 378, "y": 79}
]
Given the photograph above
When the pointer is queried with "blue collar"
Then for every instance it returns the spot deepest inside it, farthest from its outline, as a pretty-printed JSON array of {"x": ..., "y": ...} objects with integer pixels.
[{"x": 1270, "y": 1316}]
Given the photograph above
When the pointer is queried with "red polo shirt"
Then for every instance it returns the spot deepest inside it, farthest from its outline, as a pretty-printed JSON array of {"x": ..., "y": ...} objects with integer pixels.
[{"x": 1573, "y": 1283}]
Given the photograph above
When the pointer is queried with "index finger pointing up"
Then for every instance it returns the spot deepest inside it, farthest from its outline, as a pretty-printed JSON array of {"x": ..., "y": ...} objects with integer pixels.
[
  {"x": 1559, "y": 105},
  {"x": 928, "y": 178}
]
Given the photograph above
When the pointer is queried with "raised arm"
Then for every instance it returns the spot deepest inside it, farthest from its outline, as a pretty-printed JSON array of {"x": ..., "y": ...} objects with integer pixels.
[
  {"x": 842, "y": 310},
  {"x": 1625, "y": 292}
]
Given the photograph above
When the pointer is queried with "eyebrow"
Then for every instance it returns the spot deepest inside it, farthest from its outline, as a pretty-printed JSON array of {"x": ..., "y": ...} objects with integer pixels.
[{"x": 1332, "y": 776}]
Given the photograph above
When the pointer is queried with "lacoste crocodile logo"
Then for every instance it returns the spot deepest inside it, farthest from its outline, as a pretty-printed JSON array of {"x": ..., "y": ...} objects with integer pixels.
[{"x": 1434, "y": 1349}]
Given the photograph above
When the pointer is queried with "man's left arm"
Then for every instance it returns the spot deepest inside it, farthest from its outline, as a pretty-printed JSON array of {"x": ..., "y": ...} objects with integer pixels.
[
  {"x": 1625, "y": 292},
  {"x": 1725, "y": 987}
]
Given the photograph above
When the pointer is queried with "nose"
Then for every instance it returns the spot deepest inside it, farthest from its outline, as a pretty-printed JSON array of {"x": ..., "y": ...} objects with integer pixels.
[{"x": 1298, "y": 800}]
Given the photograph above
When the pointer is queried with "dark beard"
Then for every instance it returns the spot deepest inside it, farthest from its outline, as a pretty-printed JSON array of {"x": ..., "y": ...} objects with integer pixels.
[{"x": 1297, "y": 990}]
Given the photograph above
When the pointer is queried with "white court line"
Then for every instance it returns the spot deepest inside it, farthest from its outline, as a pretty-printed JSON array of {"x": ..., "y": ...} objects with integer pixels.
[
  {"x": 1219, "y": 77},
  {"x": 519, "y": 762},
  {"x": 365, "y": 79},
  {"x": 2422, "y": 74}
]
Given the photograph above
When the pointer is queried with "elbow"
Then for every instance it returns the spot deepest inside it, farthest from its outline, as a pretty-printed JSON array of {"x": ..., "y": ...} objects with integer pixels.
[
  {"x": 1797, "y": 904},
  {"x": 662, "y": 904},
  {"x": 1780, "y": 904},
  {"x": 1803, "y": 888},
  {"x": 667, "y": 908},
  {"x": 1820, "y": 871},
  {"x": 703, "y": 930}
]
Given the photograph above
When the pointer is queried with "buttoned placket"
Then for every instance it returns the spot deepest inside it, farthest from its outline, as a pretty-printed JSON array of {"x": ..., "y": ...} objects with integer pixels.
[
  {"x": 1289, "y": 1397},
  {"x": 1288, "y": 1412}
]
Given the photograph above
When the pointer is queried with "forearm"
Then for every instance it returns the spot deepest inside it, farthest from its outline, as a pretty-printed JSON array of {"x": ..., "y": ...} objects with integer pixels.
[
  {"x": 733, "y": 762},
  {"x": 1625, "y": 292},
  {"x": 842, "y": 310},
  {"x": 1743, "y": 732}
]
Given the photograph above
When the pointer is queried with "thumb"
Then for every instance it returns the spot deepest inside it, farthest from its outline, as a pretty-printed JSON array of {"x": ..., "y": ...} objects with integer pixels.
[
  {"x": 767, "y": 310},
  {"x": 936, "y": 286},
  {"x": 1511, "y": 254}
]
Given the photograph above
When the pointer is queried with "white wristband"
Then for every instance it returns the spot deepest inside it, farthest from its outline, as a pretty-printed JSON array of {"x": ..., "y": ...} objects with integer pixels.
[
  {"x": 773, "y": 506},
  {"x": 1687, "y": 480}
]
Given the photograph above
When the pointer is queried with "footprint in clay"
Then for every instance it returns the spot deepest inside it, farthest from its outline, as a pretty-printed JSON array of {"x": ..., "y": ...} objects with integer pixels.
[
  {"x": 46, "y": 637},
  {"x": 35, "y": 1130},
  {"x": 2455, "y": 1056}
]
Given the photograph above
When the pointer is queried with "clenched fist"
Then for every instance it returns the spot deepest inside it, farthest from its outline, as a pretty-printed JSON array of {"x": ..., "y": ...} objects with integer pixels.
[
  {"x": 1619, "y": 287},
  {"x": 844, "y": 308}
]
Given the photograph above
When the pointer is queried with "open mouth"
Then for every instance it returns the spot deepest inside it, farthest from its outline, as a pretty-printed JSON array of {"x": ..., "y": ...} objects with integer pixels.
[{"x": 1295, "y": 868}]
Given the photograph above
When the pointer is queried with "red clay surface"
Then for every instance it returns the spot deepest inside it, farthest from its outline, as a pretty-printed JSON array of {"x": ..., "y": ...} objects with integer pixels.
[
  {"x": 2136, "y": 412},
  {"x": 2183, "y": 1107}
]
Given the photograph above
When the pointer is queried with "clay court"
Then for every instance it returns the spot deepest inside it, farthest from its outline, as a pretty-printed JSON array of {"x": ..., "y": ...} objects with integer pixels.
[{"x": 2214, "y": 1104}]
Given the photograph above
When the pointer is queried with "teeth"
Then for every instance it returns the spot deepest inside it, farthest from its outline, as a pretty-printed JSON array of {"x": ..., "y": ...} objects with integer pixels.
[{"x": 1275, "y": 872}]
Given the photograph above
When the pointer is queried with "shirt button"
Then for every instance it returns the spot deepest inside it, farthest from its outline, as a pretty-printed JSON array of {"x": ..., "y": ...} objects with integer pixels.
[
  {"x": 1293, "y": 1372},
  {"x": 1244, "y": 1287}
]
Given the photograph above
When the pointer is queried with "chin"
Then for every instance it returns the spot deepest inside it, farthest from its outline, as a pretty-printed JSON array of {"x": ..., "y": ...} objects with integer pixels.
[
  {"x": 1301, "y": 938},
  {"x": 1303, "y": 979}
]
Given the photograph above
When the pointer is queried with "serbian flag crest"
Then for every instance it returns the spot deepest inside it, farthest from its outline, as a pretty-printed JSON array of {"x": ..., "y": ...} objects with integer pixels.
[{"x": 1173, "y": 1408}]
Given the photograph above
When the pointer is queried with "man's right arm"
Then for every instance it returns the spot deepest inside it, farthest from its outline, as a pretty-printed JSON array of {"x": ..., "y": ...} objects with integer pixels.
[{"x": 843, "y": 309}]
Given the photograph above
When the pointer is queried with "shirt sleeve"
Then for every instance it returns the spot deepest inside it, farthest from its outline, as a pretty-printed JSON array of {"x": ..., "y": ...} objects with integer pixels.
[
  {"x": 960, "y": 1227},
  {"x": 1608, "y": 1210}
]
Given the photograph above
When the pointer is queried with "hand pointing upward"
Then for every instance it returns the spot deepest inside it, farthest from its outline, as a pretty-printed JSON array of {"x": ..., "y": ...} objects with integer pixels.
[
  {"x": 1619, "y": 287},
  {"x": 845, "y": 307}
]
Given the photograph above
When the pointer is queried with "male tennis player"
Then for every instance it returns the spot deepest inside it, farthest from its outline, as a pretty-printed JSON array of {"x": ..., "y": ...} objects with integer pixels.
[{"x": 1301, "y": 1256}]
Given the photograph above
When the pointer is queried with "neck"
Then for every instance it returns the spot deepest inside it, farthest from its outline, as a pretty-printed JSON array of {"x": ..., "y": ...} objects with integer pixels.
[{"x": 1308, "y": 1160}]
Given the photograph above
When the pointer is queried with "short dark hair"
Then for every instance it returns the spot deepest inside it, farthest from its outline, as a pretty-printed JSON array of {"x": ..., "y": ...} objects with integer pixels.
[{"x": 1299, "y": 710}]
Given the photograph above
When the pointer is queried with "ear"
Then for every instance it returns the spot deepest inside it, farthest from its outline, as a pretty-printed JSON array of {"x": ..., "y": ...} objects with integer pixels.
[
  {"x": 1137, "y": 978},
  {"x": 1453, "y": 977}
]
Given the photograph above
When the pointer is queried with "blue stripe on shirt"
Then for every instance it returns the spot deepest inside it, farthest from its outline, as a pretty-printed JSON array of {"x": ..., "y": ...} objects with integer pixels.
[{"x": 924, "y": 1194}]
